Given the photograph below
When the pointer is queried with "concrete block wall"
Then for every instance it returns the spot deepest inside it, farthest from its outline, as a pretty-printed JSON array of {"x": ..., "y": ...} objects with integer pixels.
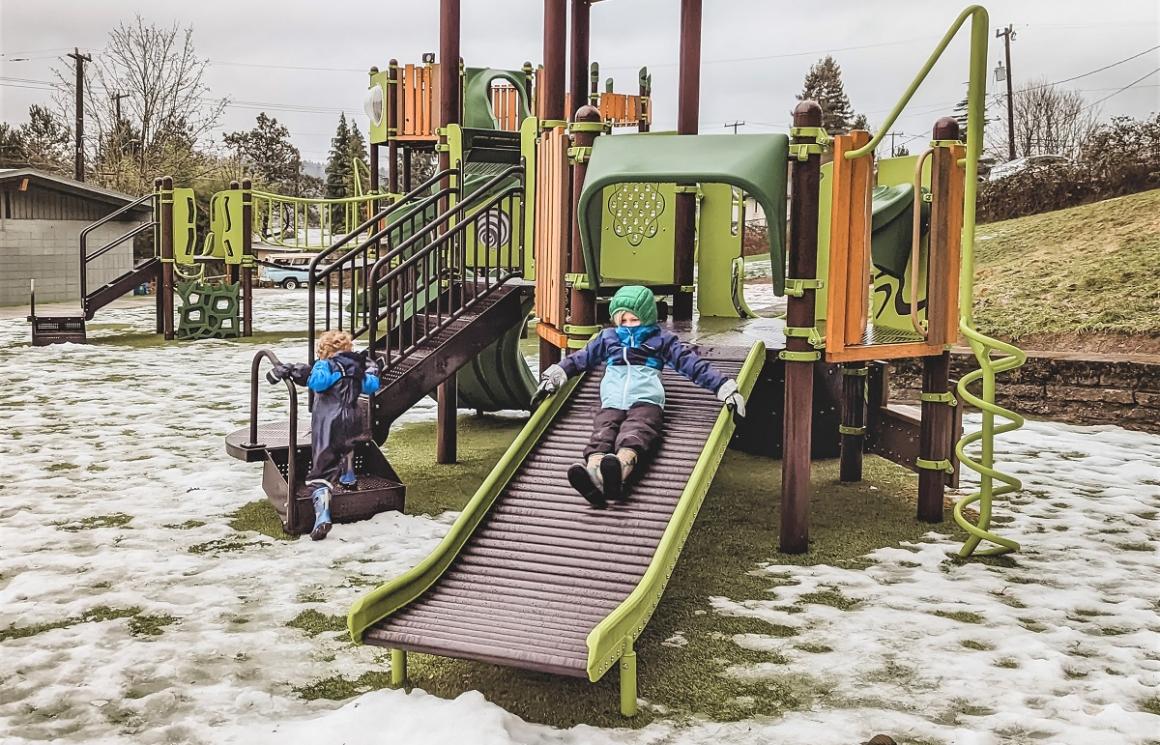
[
  {"x": 48, "y": 250},
  {"x": 1080, "y": 388}
]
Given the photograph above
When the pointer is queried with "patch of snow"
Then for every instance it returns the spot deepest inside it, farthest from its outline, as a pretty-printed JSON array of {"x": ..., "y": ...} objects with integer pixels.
[{"x": 1059, "y": 644}]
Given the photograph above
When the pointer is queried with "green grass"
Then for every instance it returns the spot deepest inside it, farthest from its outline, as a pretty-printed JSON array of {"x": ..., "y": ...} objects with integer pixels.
[
  {"x": 1084, "y": 269},
  {"x": 735, "y": 534},
  {"x": 315, "y": 623},
  {"x": 961, "y": 616},
  {"x": 140, "y": 624},
  {"x": 114, "y": 520}
]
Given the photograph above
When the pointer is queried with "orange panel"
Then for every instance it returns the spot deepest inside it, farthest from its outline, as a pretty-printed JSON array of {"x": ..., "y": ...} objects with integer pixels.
[
  {"x": 858, "y": 264},
  {"x": 883, "y": 352}
]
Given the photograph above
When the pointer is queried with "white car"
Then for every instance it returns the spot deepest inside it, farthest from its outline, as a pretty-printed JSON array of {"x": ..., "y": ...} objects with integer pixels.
[{"x": 1022, "y": 164}]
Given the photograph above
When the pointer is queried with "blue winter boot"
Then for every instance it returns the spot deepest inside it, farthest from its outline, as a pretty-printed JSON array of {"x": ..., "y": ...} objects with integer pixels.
[
  {"x": 348, "y": 478},
  {"x": 321, "y": 499}
]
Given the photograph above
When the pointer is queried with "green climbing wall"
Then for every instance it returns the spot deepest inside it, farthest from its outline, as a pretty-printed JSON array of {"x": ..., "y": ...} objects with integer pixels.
[{"x": 208, "y": 310}]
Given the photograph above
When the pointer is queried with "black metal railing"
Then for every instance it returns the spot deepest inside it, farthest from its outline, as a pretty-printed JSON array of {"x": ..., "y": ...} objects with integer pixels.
[
  {"x": 292, "y": 453},
  {"x": 87, "y": 258},
  {"x": 337, "y": 276},
  {"x": 420, "y": 286}
]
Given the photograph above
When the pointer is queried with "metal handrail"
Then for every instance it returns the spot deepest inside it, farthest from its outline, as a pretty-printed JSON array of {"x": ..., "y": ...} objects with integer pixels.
[
  {"x": 292, "y": 452},
  {"x": 118, "y": 241},
  {"x": 408, "y": 207},
  {"x": 447, "y": 267},
  {"x": 455, "y": 210},
  {"x": 84, "y": 236}
]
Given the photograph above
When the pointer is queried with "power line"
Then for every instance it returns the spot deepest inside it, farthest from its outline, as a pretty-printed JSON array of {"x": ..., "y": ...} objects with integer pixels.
[
  {"x": 1093, "y": 72},
  {"x": 1121, "y": 90},
  {"x": 288, "y": 67}
]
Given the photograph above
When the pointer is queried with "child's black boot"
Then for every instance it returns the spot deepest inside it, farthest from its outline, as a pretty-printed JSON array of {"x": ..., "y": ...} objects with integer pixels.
[{"x": 585, "y": 479}]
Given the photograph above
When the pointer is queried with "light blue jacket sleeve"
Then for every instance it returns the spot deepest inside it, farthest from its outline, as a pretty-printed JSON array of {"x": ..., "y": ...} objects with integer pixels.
[
  {"x": 322, "y": 376},
  {"x": 370, "y": 384}
]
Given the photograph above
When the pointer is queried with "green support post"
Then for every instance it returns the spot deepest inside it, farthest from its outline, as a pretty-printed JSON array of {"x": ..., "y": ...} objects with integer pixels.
[
  {"x": 628, "y": 682},
  {"x": 398, "y": 667}
]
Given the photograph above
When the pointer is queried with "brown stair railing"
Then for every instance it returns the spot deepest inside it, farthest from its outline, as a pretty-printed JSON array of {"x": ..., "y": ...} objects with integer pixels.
[
  {"x": 341, "y": 279},
  {"x": 87, "y": 258},
  {"x": 462, "y": 254}
]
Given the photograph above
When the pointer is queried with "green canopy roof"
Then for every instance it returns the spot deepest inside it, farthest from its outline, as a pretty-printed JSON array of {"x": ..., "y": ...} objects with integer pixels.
[{"x": 754, "y": 163}]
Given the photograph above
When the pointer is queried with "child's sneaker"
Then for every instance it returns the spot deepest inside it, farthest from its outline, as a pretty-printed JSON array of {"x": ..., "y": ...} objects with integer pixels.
[
  {"x": 321, "y": 500},
  {"x": 349, "y": 480},
  {"x": 584, "y": 480}
]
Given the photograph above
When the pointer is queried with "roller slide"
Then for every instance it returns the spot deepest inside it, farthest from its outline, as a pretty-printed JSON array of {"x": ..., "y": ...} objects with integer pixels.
[{"x": 530, "y": 575}]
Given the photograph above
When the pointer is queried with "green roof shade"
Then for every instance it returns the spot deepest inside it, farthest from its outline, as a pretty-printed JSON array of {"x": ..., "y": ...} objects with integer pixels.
[{"x": 754, "y": 163}]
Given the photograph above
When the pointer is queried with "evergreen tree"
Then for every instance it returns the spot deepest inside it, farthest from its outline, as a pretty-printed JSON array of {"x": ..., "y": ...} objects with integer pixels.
[
  {"x": 357, "y": 151},
  {"x": 45, "y": 141},
  {"x": 823, "y": 83},
  {"x": 961, "y": 116},
  {"x": 338, "y": 168},
  {"x": 266, "y": 151},
  {"x": 11, "y": 146}
]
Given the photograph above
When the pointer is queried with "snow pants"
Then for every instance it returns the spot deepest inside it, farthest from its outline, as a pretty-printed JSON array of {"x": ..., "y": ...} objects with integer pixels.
[{"x": 638, "y": 429}]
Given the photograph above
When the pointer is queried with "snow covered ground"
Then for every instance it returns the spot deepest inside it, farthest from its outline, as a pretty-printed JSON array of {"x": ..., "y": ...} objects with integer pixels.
[{"x": 130, "y": 613}]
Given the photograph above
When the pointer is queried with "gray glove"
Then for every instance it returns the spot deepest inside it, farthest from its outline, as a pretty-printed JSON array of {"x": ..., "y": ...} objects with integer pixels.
[
  {"x": 551, "y": 380},
  {"x": 732, "y": 397}
]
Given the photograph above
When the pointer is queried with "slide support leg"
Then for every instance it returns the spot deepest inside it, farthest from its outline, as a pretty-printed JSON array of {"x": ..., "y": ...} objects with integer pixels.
[
  {"x": 398, "y": 667},
  {"x": 628, "y": 683}
]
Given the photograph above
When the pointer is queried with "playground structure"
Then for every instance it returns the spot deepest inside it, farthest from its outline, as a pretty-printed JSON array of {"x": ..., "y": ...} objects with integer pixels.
[{"x": 539, "y": 211}]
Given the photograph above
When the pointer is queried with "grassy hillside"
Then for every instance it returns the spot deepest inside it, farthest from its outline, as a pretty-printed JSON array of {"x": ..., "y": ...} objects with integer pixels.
[{"x": 1086, "y": 269}]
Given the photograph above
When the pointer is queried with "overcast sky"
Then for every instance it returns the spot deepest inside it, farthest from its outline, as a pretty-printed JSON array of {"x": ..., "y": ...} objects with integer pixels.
[{"x": 754, "y": 52}]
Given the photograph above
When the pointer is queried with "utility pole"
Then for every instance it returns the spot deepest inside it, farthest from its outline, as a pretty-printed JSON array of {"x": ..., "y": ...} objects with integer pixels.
[
  {"x": 117, "y": 104},
  {"x": 1007, "y": 35},
  {"x": 118, "y": 129},
  {"x": 79, "y": 157},
  {"x": 734, "y": 125}
]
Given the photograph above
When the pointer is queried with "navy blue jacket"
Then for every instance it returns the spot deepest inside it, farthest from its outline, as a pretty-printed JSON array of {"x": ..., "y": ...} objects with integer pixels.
[{"x": 634, "y": 357}]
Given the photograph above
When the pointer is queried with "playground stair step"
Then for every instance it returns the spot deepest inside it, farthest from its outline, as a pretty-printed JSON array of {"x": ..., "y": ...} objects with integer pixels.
[
  {"x": 57, "y": 330},
  {"x": 405, "y": 381},
  {"x": 145, "y": 271},
  {"x": 544, "y": 567}
]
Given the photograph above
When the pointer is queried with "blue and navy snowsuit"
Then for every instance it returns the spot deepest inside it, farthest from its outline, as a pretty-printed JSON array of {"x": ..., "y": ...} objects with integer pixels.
[
  {"x": 632, "y": 395},
  {"x": 335, "y": 424}
]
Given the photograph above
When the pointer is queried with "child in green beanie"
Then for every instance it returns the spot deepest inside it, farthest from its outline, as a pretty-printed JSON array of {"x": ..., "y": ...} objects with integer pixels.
[{"x": 632, "y": 396}]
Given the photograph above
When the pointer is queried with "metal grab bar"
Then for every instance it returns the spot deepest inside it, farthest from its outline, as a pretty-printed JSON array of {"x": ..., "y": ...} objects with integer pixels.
[
  {"x": 292, "y": 452},
  {"x": 916, "y": 245}
]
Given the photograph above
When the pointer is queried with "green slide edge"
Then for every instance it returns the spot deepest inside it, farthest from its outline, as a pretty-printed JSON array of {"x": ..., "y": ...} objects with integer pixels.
[
  {"x": 390, "y": 597},
  {"x": 614, "y": 636}
]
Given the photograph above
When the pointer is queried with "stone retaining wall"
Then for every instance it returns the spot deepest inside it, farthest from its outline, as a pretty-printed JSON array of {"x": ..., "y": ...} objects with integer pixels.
[{"x": 1078, "y": 388}]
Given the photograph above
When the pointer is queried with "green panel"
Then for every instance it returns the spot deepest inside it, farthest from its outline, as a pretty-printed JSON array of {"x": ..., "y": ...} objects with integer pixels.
[
  {"x": 208, "y": 310},
  {"x": 720, "y": 263},
  {"x": 529, "y": 131},
  {"x": 637, "y": 233},
  {"x": 892, "y": 224},
  {"x": 226, "y": 223},
  {"x": 754, "y": 163},
  {"x": 477, "y": 112},
  {"x": 184, "y": 226},
  {"x": 377, "y": 130}
]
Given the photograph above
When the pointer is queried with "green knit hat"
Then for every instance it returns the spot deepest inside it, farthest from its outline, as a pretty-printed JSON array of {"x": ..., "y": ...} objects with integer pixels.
[{"x": 637, "y": 300}]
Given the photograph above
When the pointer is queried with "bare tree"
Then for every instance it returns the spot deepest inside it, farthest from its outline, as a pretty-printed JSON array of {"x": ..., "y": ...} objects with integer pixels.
[
  {"x": 147, "y": 106},
  {"x": 1048, "y": 120}
]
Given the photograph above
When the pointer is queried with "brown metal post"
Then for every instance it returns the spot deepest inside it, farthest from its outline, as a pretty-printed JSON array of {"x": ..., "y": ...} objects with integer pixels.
[
  {"x": 247, "y": 258},
  {"x": 555, "y": 48},
  {"x": 166, "y": 288},
  {"x": 392, "y": 126},
  {"x": 158, "y": 296},
  {"x": 688, "y": 110},
  {"x": 582, "y": 302},
  {"x": 799, "y": 374},
  {"x": 645, "y": 81},
  {"x": 449, "y": 113},
  {"x": 938, "y": 418},
  {"x": 551, "y": 94},
  {"x": 853, "y": 432},
  {"x": 578, "y": 60}
]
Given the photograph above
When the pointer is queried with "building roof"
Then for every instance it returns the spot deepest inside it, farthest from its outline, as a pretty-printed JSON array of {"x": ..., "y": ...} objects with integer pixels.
[{"x": 67, "y": 185}]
